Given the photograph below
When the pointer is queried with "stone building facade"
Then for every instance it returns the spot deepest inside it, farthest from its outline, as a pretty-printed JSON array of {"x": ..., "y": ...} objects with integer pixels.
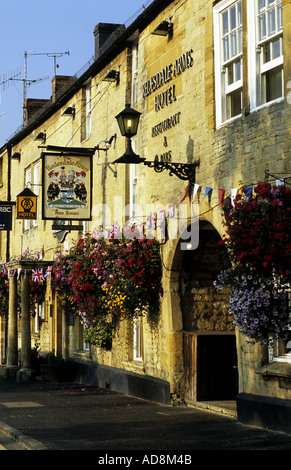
[{"x": 213, "y": 90}]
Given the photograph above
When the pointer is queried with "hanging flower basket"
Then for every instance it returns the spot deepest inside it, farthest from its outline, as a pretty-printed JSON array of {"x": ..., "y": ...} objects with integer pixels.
[
  {"x": 258, "y": 248},
  {"x": 106, "y": 280}
]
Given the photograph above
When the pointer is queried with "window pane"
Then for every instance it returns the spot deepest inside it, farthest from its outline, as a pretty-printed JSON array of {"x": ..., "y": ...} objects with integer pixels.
[
  {"x": 276, "y": 48},
  {"x": 266, "y": 52},
  {"x": 239, "y": 17},
  {"x": 279, "y": 12},
  {"x": 271, "y": 20},
  {"x": 262, "y": 4},
  {"x": 262, "y": 21},
  {"x": 274, "y": 84},
  {"x": 230, "y": 77},
  {"x": 225, "y": 22},
  {"x": 233, "y": 104},
  {"x": 233, "y": 44},
  {"x": 226, "y": 48},
  {"x": 238, "y": 70},
  {"x": 233, "y": 17}
]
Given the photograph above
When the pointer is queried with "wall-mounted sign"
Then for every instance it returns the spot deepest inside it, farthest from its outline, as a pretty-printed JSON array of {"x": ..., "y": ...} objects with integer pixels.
[
  {"x": 26, "y": 205},
  {"x": 167, "y": 74},
  {"x": 67, "y": 186},
  {"x": 6, "y": 215}
]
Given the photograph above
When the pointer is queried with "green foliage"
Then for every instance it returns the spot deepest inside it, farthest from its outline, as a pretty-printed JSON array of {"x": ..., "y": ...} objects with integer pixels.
[{"x": 99, "y": 334}]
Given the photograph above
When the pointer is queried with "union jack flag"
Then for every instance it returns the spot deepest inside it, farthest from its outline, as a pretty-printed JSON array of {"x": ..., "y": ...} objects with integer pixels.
[
  {"x": 48, "y": 273},
  {"x": 4, "y": 269},
  {"x": 37, "y": 275}
]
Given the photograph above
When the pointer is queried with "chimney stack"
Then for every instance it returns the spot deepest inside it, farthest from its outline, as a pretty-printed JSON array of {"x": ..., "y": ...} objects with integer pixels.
[
  {"x": 103, "y": 32},
  {"x": 32, "y": 105},
  {"x": 59, "y": 84}
]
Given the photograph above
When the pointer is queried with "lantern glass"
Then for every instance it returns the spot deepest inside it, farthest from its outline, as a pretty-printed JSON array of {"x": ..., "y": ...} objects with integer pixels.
[{"x": 128, "y": 121}]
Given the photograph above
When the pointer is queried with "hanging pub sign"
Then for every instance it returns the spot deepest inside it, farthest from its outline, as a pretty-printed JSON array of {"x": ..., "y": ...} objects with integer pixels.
[
  {"x": 26, "y": 205},
  {"x": 67, "y": 186},
  {"x": 6, "y": 215}
]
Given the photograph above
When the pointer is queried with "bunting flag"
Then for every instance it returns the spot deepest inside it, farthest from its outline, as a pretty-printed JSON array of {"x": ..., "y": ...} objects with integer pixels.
[
  {"x": 208, "y": 192},
  {"x": 171, "y": 210},
  {"x": 48, "y": 273},
  {"x": 19, "y": 273},
  {"x": 221, "y": 194},
  {"x": 37, "y": 275},
  {"x": 12, "y": 272},
  {"x": 280, "y": 182},
  {"x": 154, "y": 220},
  {"x": 191, "y": 190},
  {"x": 233, "y": 193},
  {"x": 4, "y": 269},
  {"x": 115, "y": 229},
  {"x": 185, "y": 195},
  {"x": 195, "y": 189},
  {"x": 249, "y": 190},
  {"x": 162, "y": 218}
]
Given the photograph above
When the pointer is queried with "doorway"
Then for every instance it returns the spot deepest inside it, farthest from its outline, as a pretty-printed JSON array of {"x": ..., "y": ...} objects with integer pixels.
[
  {"x": 210, "y": 363},
  {"x": 210, "y": 358}
]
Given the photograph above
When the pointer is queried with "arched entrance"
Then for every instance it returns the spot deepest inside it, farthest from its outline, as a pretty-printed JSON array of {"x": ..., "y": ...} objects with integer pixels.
[{"x": 210, "y": 360}]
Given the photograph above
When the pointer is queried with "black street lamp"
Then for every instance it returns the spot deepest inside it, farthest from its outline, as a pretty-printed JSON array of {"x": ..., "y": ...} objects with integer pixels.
[{"x": 128, "y": 121}]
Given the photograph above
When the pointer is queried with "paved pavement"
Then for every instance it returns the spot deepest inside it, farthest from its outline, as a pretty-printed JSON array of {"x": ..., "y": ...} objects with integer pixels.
[{"x": 69, "y": 416}]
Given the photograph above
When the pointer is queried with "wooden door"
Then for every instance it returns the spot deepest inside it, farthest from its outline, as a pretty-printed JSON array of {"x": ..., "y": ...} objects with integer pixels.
[
  {"x": 210, "y": 367},
  {"x": 190, "y": 365}
]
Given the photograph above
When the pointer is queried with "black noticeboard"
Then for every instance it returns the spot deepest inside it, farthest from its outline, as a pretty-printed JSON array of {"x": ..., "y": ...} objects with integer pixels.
[{"x": 6, "y": 215}]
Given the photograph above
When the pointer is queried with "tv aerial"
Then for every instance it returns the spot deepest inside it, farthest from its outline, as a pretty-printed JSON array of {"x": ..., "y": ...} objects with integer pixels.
[{"x": 27, "y": 82}]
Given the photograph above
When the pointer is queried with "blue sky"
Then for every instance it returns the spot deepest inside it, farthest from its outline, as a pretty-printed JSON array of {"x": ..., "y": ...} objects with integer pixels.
[{"x": 47, "y": 27}]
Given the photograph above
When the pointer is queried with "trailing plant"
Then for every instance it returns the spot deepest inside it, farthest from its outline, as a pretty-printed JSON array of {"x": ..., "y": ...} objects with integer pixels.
[
  {"x": 258, "y": 243},
  {"x": 111, "y": 278},
  {"x": 37, "y": 292},
  {"x": 99, "y": 334}
]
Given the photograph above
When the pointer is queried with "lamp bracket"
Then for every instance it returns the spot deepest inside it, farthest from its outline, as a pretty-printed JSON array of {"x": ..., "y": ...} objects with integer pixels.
[
  {"x": 277, "y": 176},
  {"x": 184, "y": 171}
]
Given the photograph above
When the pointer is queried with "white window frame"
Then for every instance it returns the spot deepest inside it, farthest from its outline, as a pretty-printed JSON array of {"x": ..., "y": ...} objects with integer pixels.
[
  {"x": 256, "y": 66},
  {"x": 36, "y": 184},
  {"x": 275, "y": 347},
  {"x": 134, "y": 80},
  {"x": 88, "y": 110},
  {"x": 222, "y": 88},
  {"x": 133, "y": 187},
  {"x": 137, "y": 338}
]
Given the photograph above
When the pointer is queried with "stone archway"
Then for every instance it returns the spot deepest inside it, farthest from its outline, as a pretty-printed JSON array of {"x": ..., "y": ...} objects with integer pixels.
[
  {"x": 204, "y": 365},
  {"x": 210, "y": 362}
]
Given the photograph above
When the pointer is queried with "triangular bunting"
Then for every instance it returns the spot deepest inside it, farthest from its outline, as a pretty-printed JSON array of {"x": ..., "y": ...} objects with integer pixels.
[
  {"x": 249, "y": 190},
  {"x": 208, "y": 192},
  {"x": 233, "y": 193},
  {"x": 195, "y": 189},
  {"x": 185, "y": 195},
  {"x": 221, "y": 194}
]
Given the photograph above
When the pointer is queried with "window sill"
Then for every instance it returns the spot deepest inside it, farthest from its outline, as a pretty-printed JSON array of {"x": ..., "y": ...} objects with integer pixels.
[
  {"x": 228, "y": 121},
  {"x": 254, "y": 109},
  {"x": 276, "y": 370}
]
